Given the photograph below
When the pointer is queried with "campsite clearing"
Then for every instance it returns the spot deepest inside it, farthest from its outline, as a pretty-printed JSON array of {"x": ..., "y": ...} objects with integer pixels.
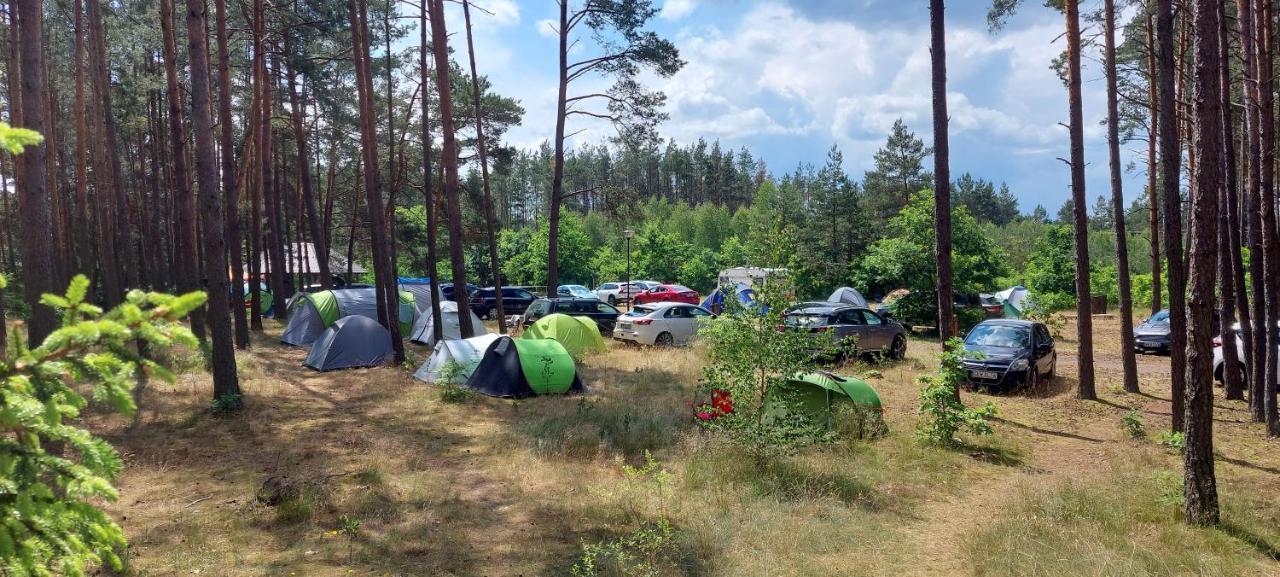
[{"x": 502, "y": 487}]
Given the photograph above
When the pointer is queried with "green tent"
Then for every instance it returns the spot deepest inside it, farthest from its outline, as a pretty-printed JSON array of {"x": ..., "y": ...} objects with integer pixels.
[
  {"x": 311, "y": 313},
  {"x": 578, "y": 335},
  {"x": 819, "y": 394},
  {"x": 519, "y": 368}
]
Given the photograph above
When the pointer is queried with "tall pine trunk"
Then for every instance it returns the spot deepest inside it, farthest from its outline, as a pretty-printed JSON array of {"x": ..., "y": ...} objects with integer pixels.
[
  {"x": 1228, "y": 254},
  {"x": 1255, "y": 340},
  {"x": 490, "y": 226},
  {"x": 105, "y": 180},
  {"x": 1170, "y": 169},
  {"x": 1153, "y": 196},
  {"x": 1128, "y": 359},
  {"x": 449, "y": 158},
  {"x": 387, "y": 293},
  {"x": 226, "y": 385},
  {"x": 186, "y": 258},
  {"x": 1201, "y": 494},
  {"x": 304, "y": 175},
  {"x": 1084, "y": 312},
  {"x": 941, "y": 170},
  {"x": 33, "y": 193},
  {"x": 85, "y": 247},
  {"x": 557, "y": 168},
  {"x": 230, "y": 179},
  {"x": 277, "y": 270},
  {"x": 1270, "y": 243},
  {"x": 428, "y": 188}
]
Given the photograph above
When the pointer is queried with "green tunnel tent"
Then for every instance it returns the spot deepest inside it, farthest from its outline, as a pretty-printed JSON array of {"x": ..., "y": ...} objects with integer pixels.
[
  {"x": 351, "y": 342},
  {"x": 311, "y": 313},
  {"x": 578, "y": 335},
  {"x": 518, "y": 368},
  {"x": 819, "y": 394}
]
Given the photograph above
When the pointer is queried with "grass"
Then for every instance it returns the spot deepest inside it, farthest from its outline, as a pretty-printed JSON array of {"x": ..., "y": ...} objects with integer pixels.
[
  {"x": 501, "y": 487},
  {"x": 1127, "y": 523}
]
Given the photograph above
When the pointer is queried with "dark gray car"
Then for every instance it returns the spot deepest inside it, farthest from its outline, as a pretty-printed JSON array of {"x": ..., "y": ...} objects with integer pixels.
[
  {"x": 1153, "y": 335},
  {"x": 868, "y": 331}
]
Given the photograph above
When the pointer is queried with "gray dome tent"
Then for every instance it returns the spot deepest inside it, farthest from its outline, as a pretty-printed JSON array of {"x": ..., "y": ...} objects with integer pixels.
[
  {"x": 350, "y": 343},
  {"x": 451, "y": 321},
  {"x": 311, "y": 313},
  {"x": 848, "y": 296}
]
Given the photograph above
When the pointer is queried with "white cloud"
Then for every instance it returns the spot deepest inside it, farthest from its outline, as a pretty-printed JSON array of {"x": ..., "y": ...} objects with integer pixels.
[
  {"x": 676, "y": 9},
  {"x": 504, "y": 12},
  {"x": 548, "y": 28}
]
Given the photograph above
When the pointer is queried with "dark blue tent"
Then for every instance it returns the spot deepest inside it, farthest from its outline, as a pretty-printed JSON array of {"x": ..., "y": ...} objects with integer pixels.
[{"x": 745, "y": 295}]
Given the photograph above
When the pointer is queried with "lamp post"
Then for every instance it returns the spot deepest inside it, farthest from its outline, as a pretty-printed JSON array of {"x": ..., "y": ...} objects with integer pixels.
[{"x": 628, "y": 233}]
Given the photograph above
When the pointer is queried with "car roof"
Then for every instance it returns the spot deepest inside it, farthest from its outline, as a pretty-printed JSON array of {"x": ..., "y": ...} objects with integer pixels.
[
  {"x": 1008, "y": 323},
  {"x": 820, "y": 307}
]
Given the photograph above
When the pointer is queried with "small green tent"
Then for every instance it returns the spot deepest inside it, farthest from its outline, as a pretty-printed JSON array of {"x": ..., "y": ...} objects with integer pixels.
[
  {"x": 819, "y": 394},
  {"x": 578, "y": 335},
  {"x": 519, "y": 368}
]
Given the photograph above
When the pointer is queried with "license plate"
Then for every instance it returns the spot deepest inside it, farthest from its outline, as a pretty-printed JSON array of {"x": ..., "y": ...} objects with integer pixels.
[
  {"x": 624, "y": 325},
  {"x": 984, "y": 375}
]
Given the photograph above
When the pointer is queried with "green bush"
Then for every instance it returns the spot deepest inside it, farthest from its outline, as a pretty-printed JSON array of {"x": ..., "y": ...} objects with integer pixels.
[
  {"x": 945, "y": 415},
  {"x": 1131, "y": 424}
]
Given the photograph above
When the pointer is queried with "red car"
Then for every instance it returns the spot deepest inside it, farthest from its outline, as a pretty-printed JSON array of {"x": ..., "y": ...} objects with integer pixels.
[{"x": 668, "y": 293}]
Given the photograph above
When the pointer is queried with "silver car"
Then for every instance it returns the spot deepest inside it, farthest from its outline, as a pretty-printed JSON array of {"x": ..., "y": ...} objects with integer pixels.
[
  {"x": 857, "y": 330},
  {"x": 662, "y": 324}
]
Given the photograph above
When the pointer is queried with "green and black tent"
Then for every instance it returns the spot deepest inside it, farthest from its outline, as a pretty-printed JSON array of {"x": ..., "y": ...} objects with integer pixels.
[
  {"x": 820, "y": 395},
  {"x": 517, "y": 368},
  {"x": 311, "y": 313}
]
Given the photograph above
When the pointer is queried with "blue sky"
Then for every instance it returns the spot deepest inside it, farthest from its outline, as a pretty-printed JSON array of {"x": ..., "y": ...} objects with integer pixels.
[{"x": 787, "y": 78}]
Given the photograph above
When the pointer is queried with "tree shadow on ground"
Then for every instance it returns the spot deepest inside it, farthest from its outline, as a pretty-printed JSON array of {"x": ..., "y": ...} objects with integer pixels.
[
  {"x": 1254, "y": 540},
  {"x": 1044, "y": 431}
]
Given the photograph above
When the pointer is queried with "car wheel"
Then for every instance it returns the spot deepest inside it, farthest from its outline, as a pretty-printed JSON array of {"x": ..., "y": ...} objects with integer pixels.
[
  {"x": 1053, "y": 368},
  {"x": 664, "y": 340},
  {"x": 898, "y": 350},
  {"x": 1033, "y": 377}
]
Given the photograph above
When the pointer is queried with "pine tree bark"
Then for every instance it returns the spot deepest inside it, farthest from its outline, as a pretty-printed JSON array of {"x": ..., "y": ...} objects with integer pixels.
[
  {"x": 1084, "y": 312},
  {"x": 230, "y": 179},
  {"x": 1255, "y": 340},
  {"x": 277, "y": 270},
  {"x": 1228, "y": 254},
  {"x": 226, "y": 384},
  {"x": 1270, "y": 242},
  {"x": 304, "y": 175},
  {"x": 1170, "y": 170},
  {"x": 941, "y": 170},
  {"x": 186, "y": 258},
  {"x": 449, "y": 157},
  {"x": 1200, "y": 491},
  {"x": 106, "y": 185},
  {"x": 557, "y": 168},
  {"x": 33, "y": 193},
  {"x": 84, "y": 245},
  {"x": 494, "y": 266},
  {"x": 428, "y": 187},
  {"x": 1127, "y": 356},
  {"x": 388, "y": 294},
  {"x": 1153, "y": 197}
]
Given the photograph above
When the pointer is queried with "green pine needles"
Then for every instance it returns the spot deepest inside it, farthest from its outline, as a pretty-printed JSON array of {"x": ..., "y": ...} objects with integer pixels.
[{"x": 51, "y": 469}]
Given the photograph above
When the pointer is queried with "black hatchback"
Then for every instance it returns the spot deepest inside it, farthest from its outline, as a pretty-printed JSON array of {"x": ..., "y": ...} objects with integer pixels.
[
  {"x": 514, "y": 301},
  {"x": 1004, "y": 354},
  {"x": 604, "y": 314}
]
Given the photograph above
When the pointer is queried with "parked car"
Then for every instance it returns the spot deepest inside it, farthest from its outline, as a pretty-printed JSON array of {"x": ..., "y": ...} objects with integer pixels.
[
  {"x": 484, "y": 302},
  {"x": 616, "y": 292},
  {"x": 858, "y": 330},
  {"x": 1153, "y": 335},
  {"x": 662, "y": 324},
  {"x": 575, "y": 291},
  {"x": 664, "y": 293},
  {"x": 1004, "y": 354},
  {"x": 604, "y": 314},
  {"x": 1217, "y": 352},
  {"x": 446, "y": 290}
]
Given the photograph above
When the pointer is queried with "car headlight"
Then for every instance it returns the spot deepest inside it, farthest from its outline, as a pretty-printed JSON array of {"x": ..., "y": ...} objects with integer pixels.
[{"x": 1019, "y": 365}]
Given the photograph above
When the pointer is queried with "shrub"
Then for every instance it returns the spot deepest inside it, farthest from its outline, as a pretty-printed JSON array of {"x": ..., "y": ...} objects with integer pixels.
[
  {"x": 1131, "y": 424},
  {"x": 1036, "y": 311},
  {"x": 945, "y": 415},
  {"x": 648, "y": 552},
  {"x": 1172, "y": 440},
  {"x": 51, "y": 522}
]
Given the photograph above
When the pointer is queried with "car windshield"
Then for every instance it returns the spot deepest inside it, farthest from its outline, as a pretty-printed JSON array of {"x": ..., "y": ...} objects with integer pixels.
[
  {"x": 1160, "y": 317},
  {"x": 678, "y": 288},
  {"x": 803, "y": 320},
  {"x": 1004, "y": 336},
  {"x": 638, "y": 312}
]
